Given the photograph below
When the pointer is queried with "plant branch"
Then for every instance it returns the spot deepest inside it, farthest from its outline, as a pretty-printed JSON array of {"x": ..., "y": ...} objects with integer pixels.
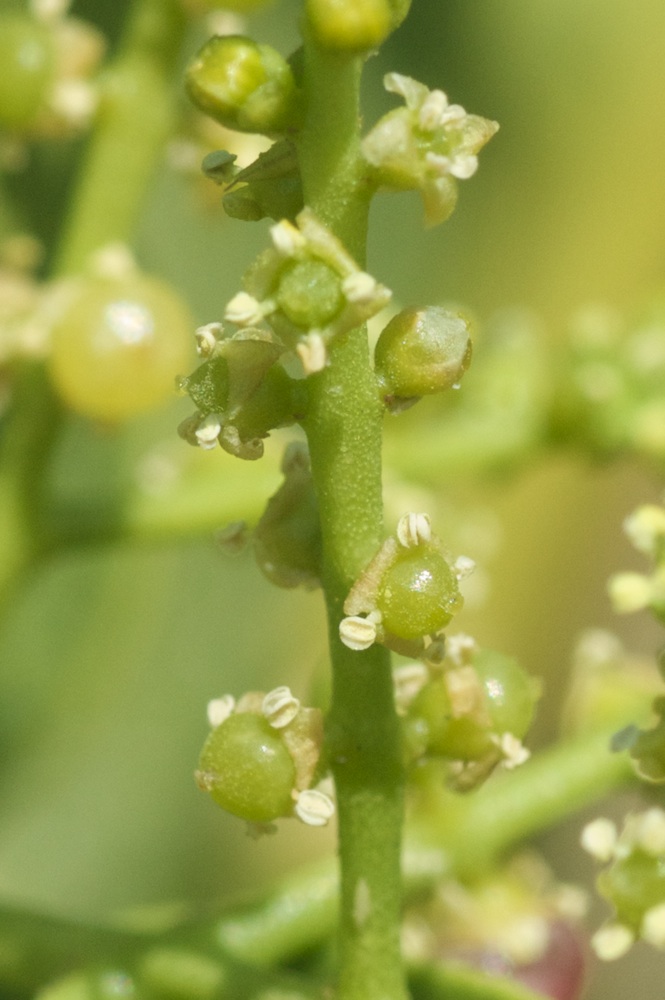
[{"x": 343, "y": 427}]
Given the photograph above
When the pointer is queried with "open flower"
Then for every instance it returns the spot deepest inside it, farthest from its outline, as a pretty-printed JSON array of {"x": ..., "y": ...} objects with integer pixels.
[{"x": 428, "y": 145}]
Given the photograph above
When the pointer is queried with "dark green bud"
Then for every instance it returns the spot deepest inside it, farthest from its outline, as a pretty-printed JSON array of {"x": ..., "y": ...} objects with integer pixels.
[
  {"x": 244, "y": 86},
  {"x": 422, "y": 351}
]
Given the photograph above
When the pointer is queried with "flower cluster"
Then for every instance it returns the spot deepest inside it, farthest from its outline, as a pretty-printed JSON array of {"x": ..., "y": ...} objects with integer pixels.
[
  {"x": 468, "y": 705},
  {"x": 634, "y": 881},
  {"x": 309, "y": 288},
  {"x": 262, "y": 757},
  {"x": 407, "y": 594},
  {"x": 427, "y": 146},
  {"x": 635, "y": 591},
  {"x": 49, "y": 60}
]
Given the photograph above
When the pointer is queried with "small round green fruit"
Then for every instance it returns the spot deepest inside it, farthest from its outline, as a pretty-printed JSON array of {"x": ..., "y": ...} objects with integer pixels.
[
  {"x": 310, "y": 294},
  {"x": 247, "y": 769},
  {"x": 118, "y": 346},
  {"x": 422, "y": 351},
  {"x": 418, "y": 594}
]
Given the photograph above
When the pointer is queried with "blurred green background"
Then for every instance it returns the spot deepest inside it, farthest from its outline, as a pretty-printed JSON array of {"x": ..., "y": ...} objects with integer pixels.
[{"x": 109, "y": 654}]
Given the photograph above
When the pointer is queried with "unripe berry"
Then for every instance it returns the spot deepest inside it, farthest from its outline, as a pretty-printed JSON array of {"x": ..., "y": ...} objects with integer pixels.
[
  {"x": 310, "y": 294},
  {"x": 418, "y": 594},
  {"x": 26, "y": 57},
  {"x": 422, "y": 351},
  {"x": 244, "y": 86},
  {"x": 118, "y": 346},
  {"x": 349, "y": 25},
  {"x": 463, "y": 726},
  {"x": 247, "y": 769}
]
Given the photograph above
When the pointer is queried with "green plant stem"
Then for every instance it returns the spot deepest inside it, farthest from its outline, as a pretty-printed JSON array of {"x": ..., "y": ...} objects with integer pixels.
[
  {"x": 301, "y": 910},
  {"x": 136, "y": 115},
  {"x": 445, "y": 982},
  {"x": 344, "y": 432},
  {"x": 557, "y": 782}
]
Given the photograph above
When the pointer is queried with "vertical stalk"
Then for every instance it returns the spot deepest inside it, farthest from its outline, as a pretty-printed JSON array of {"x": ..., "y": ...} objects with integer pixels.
[
  {"x": 344, "y": 431},
  {"x": 137, "y": 110},
  {"x": 135, "y": 119}
]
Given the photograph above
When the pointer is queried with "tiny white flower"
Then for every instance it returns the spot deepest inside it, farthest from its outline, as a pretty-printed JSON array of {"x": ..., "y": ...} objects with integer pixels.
[
  {"x": 49, "y": 10},
  {"x": 359, "y": 287},
  {"x": 287, "y": 239},
  {"x": 440, "y": 164},
  {"x": 208, "y": 431},
  {"x": 464, "y": 166},
  {"x": 432, "y": 110},
  {"x": 357, "y": 633},
  {"x": 512, "y": 749},
  {"x": 75, "y": 101},
  {"x": 649, "y": 832},
  {"x": 653, "y": 926},
  {"x": 599, "y": 838},
  {"x": 464, "y": 566},
  {"x": 460, "y": 648},
  {"x": 630, "y": 592},
  {"x": 413, "y": 529},
  {"x": 646, "y": 528},
  {"x": 243, "y": 310},
  {"x": 280, "y": 707},
  {"x": 219, "y": 709},
  {"x": 314, "y": 807},
  {"x": 207, "y": 337},
  {"x": 612, "y": 941},
  {"x": 408, "y": 679},
  {"x": 312, "y": 352}
]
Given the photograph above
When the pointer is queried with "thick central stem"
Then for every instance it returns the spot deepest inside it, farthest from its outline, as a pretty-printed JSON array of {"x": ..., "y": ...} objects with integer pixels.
[{"x": 344, "y": 432}]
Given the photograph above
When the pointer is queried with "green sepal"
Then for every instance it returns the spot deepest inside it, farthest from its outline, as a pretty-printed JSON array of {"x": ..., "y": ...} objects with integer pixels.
[
  {"x": 219, "y": 166},
  {"x": 278, "y": 401},
  {"x": 208, "y": 386},
  {"x": 270, "y": 187},
  {"x": 287, "y": 539}
]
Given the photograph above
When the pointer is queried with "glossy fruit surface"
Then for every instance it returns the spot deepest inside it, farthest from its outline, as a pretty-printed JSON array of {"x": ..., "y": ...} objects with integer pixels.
[
  {"x": 423, "y": 351},
  {"x": 118, "y": 346},
  {"x": 418, "y": 594},
  {"x": 506, "y": 704},
  {"x": 247, "y": 769},
  {"x": 26, "y": 58}
]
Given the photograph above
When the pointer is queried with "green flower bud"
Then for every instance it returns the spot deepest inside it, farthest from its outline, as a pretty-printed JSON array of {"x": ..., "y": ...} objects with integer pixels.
[
  {"x": 418, "y": 594},
  {"x": 244, "y": 86},
  {"x": 27, "y": 59},
  {"x": 422, "y": 351},
  {"x": 247, "y": 769},
  {"x": 349, "y": 25}
]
